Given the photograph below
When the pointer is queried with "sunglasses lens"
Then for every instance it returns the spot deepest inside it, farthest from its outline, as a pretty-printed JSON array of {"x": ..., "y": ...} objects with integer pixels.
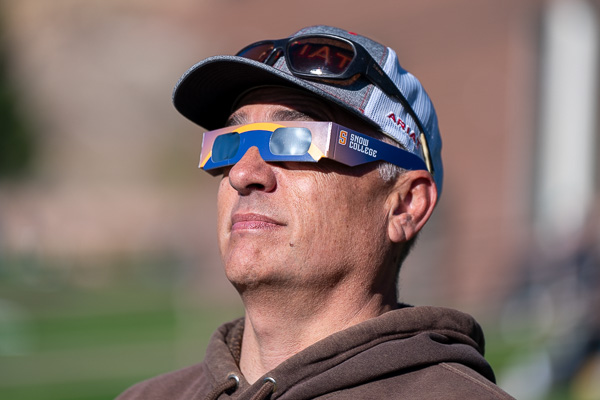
[
  {"x": 259, "y": 52},
  {"x": 290, "y": 141},
  {"x": 322, "y": 57},
  {"x": 225, "y": 146}
]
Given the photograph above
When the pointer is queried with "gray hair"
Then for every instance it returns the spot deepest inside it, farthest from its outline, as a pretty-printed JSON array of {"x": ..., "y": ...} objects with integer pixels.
[{"x": 389, "y": 171}]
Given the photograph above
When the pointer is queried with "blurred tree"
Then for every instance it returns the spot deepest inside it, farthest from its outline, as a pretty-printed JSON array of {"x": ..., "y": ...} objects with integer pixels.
[{"x": 17, "y": 142}]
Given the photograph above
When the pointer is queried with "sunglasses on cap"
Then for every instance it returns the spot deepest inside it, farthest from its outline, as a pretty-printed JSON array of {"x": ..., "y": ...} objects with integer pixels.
[
  {"x": 326, "y": 58},
  {"x": 299, "y": 142}
]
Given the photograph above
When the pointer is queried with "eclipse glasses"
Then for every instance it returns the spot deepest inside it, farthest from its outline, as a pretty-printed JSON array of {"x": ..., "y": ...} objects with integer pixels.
[{"x": 299, "y": 142}]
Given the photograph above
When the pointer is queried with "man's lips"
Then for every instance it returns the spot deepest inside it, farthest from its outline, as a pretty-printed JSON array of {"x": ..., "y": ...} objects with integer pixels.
[{"x": 252, "y": 221}]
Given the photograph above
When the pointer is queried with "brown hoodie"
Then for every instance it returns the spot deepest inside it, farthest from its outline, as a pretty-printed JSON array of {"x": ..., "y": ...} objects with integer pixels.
[{"x": 409, "y": 353}]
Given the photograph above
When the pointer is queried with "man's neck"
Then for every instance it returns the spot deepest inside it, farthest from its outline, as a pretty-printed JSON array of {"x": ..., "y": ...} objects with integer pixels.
[{"x": 282, "y": 323}]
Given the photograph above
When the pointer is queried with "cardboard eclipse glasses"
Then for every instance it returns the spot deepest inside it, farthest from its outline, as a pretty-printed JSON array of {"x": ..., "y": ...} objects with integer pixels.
[{"x": 301, "y": 142}]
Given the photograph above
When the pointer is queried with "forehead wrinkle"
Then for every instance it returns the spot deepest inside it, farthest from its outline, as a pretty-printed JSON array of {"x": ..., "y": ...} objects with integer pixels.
[
  {"x": 289, "y": 115},
  {"x": 277, "y": 114}
]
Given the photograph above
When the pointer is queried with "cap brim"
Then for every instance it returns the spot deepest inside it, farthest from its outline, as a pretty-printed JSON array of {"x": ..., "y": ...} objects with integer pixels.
[{"x": 206, "y": 93}]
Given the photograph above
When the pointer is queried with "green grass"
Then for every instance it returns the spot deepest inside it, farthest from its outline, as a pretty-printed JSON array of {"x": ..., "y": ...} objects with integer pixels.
[{"x": 61, "y": 340}]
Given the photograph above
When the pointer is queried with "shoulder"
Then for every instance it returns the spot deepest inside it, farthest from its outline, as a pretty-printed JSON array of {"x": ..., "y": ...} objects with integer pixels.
[
  {"x": 173, "y": 385},
  {"x": 469, "y": 383},
  {"x": 448, "y": 381}
]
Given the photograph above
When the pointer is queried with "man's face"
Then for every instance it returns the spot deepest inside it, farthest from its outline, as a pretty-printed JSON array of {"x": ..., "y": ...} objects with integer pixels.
[{"x": 300, "y": 224}]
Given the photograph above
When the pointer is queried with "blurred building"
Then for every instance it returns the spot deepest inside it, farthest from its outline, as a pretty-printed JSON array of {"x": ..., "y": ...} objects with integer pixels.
[{"x": 514, "y": 83}]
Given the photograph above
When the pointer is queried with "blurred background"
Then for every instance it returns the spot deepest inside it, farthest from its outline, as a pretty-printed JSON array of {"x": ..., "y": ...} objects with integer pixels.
[{"x": 109, "y": 271}]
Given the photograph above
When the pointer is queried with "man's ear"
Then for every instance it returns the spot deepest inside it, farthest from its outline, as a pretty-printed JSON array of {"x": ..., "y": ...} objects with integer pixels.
[{"x": 411, "y": 203}]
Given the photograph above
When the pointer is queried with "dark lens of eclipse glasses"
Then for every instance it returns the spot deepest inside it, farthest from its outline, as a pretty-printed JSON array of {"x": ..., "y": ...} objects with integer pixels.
[
  {"x": 290, "y": 141},
  {"x": 225, "y": 146}
]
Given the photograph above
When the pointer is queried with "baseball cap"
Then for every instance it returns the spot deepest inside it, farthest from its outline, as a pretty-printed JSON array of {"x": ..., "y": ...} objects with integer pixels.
[{"x": 207, "y": 92}]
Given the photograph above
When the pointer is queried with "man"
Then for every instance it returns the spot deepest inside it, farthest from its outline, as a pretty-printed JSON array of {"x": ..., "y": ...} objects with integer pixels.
[{"x": 329, "y": 158}]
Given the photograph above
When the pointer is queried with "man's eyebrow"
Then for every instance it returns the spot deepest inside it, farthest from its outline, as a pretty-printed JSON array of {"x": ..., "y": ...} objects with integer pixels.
[{"x": 235, "y": 119}]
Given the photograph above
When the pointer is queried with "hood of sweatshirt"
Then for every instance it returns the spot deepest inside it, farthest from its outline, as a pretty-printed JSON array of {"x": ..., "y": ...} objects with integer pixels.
[{"x": 408, "y": 340}]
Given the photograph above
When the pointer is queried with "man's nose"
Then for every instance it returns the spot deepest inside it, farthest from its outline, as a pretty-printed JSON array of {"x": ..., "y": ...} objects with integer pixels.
[{"x": 252, "y": 173}]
